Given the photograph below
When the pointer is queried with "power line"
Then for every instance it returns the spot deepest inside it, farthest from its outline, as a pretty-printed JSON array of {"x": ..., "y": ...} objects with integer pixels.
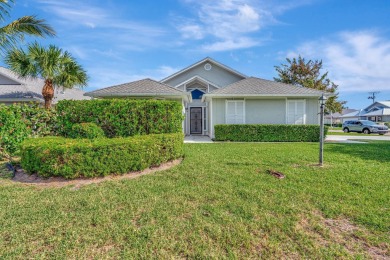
[{"x": 373, "y": 95}]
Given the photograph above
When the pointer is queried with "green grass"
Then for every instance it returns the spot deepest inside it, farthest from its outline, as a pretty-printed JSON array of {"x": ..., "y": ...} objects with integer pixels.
[
  {"x": 335, "y": 128},
  {"x": 219, "y": 203}
]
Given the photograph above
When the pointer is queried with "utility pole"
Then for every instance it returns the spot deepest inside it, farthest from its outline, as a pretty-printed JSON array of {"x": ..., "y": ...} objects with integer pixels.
[{"x": 373, "y": 95}]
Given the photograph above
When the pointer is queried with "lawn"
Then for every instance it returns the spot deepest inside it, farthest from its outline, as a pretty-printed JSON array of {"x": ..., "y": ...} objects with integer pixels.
[{"x": 219, "y": 203}]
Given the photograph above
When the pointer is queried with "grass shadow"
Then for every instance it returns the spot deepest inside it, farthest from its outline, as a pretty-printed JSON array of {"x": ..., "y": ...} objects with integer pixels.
[{"x": 374, "y": 150}]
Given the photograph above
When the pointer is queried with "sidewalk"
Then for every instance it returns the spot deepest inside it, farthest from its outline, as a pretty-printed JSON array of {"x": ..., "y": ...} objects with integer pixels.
[
  {"x": 197, "y": 139},
  {"x": 341, "y": 138}
]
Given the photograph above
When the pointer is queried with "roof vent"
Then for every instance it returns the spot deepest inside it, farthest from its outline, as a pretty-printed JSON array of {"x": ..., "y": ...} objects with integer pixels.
[{"x": 207, "y": 66}]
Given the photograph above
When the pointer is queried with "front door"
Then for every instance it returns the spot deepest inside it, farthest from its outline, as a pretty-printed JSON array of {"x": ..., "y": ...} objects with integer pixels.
[{"x": 195, "y": 120}]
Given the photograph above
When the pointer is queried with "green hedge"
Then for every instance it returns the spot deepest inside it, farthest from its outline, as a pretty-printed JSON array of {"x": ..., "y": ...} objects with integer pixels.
[
  {"x": 86, "y": 130},
  {"x": 73, "y": 158},
  {"x": 122, "y": 117},
  {"x": 13, "y": 130},
  {"x": 19, "y": 121},
  {"x": 268, "y": 133}
]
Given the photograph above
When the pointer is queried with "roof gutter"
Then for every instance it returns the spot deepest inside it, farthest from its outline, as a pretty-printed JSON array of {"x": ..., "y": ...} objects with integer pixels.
[
  {"x": 204, "y": 98},
  {"x": 184, "y": 95}
]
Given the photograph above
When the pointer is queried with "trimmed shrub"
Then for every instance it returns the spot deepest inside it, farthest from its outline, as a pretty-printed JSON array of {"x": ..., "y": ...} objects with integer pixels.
[
  {"x": 71, "y": 158},
  {"x": 13, "y": 130},
  {"x": 41, "y": 121},
  {"x": 387, "y": 124},
  {"x": 20, "y": 121},
  {"x": 268, "y": 133},
  {"x": 122, "y": 117},
  {"x": 86, "y": 130}
]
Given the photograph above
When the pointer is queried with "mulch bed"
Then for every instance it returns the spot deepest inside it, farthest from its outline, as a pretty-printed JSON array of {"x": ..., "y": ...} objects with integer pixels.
[{"x": 33, "y": 179}]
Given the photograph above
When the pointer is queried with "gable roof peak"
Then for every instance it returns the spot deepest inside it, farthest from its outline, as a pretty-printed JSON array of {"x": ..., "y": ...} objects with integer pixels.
[{"x": 206, "y": 59}]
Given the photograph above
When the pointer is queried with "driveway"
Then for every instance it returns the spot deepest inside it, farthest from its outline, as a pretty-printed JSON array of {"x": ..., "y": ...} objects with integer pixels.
[{"x": 343, "y": 138}]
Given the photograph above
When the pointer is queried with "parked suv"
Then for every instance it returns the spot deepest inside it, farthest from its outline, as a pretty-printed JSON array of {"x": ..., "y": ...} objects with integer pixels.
[{"x": 364, "y": 126}]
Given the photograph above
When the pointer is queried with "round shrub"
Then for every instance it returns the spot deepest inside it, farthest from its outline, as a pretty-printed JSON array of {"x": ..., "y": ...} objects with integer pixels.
[{"x": 86, "y": 130}]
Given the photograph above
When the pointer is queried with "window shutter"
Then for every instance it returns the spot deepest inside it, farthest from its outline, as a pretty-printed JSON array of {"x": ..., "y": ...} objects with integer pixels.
[
  {"x": 290, "y": 112},
  {"x": 296, "y": 112},
  {"x": 239, "y": 112},
  {"x": 235, "y": 112},
  {"x": 299, "y": 113},
  {"x": 230, "y": 112}
]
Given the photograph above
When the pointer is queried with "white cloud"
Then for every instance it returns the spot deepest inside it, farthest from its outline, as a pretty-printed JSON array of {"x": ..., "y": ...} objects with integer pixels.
[
  {"x": 357, "y": 61},
  {"x": 230, "y": 24},
  {"x": 191, "y": 31},
  {"x": 75, "y": 13},
  {"x": 231, "y": 44}
]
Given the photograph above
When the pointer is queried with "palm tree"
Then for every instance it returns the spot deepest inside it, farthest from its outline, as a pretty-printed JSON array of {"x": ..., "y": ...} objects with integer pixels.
[
  {"x": 14, "y": 32},
  {"x": 56, "y": 67}
]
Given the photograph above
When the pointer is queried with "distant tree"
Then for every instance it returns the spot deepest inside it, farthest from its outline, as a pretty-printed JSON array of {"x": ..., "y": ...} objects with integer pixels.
[
  {"x": 15, "y": 31},
  {"x": 56, "y": 67},
  {"x": 308, "y": 74}
]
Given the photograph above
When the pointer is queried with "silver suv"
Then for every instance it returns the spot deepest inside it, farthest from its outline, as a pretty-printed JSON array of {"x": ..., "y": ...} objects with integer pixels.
[{"x": 364, "y": 126}]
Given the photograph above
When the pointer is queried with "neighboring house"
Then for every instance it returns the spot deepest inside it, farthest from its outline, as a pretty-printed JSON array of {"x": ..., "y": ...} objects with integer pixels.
[
  {"x": 336, "y": 118},
  {"x": 376, "y": 112},
  {"x": 212, "y": 93},
  {"x": 13, "y": 89}
]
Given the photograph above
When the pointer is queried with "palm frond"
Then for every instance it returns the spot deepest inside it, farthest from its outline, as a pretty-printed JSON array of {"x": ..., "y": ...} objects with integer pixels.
[
  {"x": 5, "y": 5},
  {"x": 29, "y": 25},
  {"x": 50, "y": 63},
  {"x": 15, "y": 31}
]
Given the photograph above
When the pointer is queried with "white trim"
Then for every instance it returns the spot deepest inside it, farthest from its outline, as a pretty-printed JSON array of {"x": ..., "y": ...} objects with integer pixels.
[
  {"x": 242, "y": 96},
  {"x": 197, "y": 77},
  {"x": 204, "y": 118},
  {"x": 200, "y": 62},
  {"x": 211, "y": 132}
]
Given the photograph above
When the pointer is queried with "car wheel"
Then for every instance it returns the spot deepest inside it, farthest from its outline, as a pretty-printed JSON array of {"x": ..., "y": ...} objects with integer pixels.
[
  {"x": 381, "y": 134},
  {"x": 366, "y": 131},
  {"x": 346, "y": 130}
]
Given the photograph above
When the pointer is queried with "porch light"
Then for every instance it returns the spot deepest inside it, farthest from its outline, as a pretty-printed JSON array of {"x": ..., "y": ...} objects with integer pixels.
[{"x": 322, "y": 100}]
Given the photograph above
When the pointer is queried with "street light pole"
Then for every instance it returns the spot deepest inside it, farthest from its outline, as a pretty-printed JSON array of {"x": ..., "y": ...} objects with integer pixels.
[{"x": 322, "y": 100}]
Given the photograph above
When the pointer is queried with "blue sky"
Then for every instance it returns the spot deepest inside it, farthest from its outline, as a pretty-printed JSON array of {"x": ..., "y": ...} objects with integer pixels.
[{"x": 121, "y": 41}]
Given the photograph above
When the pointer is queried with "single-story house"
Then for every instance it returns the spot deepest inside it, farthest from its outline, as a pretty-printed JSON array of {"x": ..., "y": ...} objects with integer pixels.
[
  {"x": 14, "y": 89},
  {"x": 336, "y": 118},
  {"x": 213, "y": 93},
  {"x": 377, "y": 112}
]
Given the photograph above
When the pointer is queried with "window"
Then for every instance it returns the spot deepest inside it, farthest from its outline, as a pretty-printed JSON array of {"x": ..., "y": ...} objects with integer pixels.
[
  {"x": 235, "y": 112},
  {"x": 197, "y": 94},
  {"x": 296, "y": 112}
]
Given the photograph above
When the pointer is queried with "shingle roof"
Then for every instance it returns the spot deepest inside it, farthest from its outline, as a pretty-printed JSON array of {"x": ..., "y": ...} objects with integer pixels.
[
  {"x": 379, "y": 112},
  {"x": 385, "y": 103},
  {"x": 356, "y": 113},
  {"x": 136, "y": 88},
  {"x": 257, "y": 86},
  {"x": 32, "y": 89}
]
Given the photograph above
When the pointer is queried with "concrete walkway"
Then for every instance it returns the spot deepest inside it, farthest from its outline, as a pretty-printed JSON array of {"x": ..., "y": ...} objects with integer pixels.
[
  {"x": 346, "y": 138},
  {"x": 197, "y": 139}
]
